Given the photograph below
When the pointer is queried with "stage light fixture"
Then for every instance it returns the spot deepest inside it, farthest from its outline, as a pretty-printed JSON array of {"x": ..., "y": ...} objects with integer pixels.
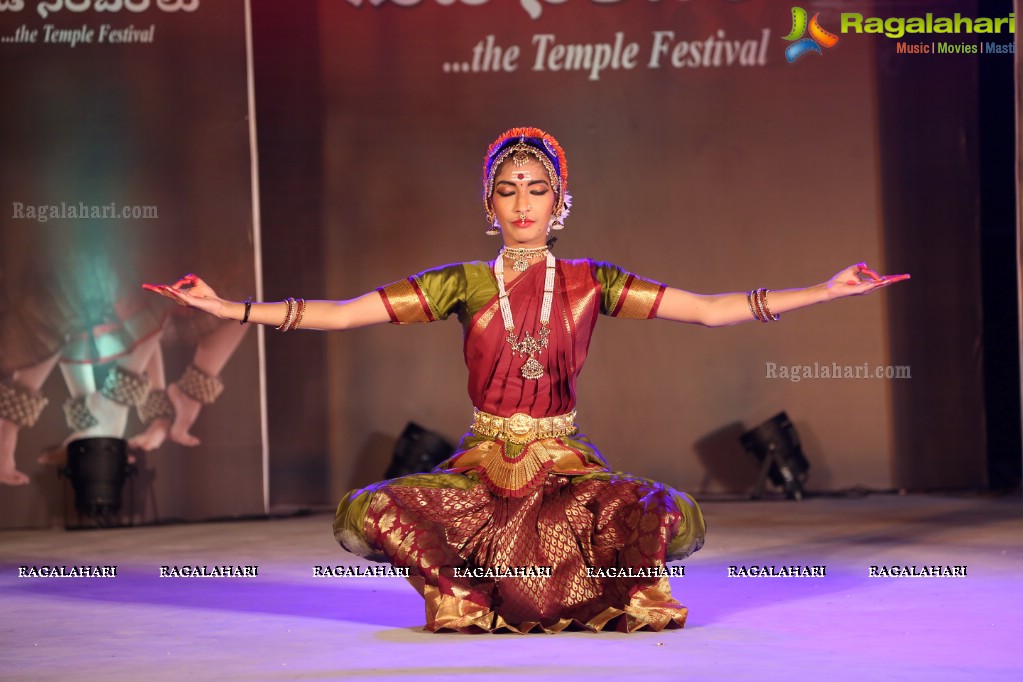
[
  {"x": 97, "y": 469},
  {"x": 775, "y": 444},
  {"x": 418, "y": 450}
]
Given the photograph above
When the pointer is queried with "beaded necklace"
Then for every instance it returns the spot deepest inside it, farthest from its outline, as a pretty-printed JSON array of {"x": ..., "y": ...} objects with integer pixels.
[{"x": 528, "y": 346}]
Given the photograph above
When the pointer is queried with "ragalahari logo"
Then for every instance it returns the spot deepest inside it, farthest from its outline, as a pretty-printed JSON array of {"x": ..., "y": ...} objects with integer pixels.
[{"x": 818, "y": 36}]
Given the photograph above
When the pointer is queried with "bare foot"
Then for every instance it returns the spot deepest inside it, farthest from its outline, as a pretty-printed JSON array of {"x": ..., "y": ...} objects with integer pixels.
[
  {"x": 11, "y": 476},
  {"x": 186, "y": 411},
  {"x": 152, "y": 437}
]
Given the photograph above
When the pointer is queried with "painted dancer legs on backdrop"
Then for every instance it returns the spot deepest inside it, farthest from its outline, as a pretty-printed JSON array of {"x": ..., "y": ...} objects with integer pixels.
[
  {"x": 138, "y": 380},
  {"x": 26, "y": 383},
  {"x": 174, "y": 409},
  {"x": 94, "y": 411},
  {"x": 109, "y": 405},
  {"x": 188, "y": 397}
]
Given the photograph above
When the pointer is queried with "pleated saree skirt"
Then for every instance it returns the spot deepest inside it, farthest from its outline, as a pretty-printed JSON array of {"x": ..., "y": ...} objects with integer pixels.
[{"x": 579, "y": 552}]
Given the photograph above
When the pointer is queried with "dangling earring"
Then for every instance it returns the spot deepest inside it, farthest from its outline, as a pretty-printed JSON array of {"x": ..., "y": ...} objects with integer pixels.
[
  {"x": 556, "y": 223},
  {"x": 495, "y": 229}
]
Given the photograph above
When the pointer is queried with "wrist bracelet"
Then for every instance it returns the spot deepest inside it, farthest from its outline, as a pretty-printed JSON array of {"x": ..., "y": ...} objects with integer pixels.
[{"x": 248, "y": 309}]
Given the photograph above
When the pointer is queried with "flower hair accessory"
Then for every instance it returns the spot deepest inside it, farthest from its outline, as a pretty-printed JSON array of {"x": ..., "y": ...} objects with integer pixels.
[{"x": 518, "y": 144}]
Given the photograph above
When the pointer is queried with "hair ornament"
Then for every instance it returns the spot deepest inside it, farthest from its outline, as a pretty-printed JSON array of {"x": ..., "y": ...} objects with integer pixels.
[{"x": 521, "y": 144}]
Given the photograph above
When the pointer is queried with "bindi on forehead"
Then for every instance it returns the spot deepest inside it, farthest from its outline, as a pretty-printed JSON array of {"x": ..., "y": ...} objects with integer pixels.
[{"x": 528, "y": 172}]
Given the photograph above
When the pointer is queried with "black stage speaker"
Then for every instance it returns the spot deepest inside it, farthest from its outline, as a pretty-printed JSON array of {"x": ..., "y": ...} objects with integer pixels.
[
  {"x": 417, "y": 451},
  {"x": 775, "y": 444}
]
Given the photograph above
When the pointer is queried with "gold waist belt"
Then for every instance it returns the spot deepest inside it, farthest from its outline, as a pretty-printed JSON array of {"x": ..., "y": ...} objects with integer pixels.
[{"x": 520, "y": 428}]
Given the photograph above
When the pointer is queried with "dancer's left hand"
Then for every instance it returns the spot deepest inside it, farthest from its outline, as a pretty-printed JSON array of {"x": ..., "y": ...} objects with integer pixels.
[
  {"x": 857, "y": 280},
  {"x": 190, "y": 291}
]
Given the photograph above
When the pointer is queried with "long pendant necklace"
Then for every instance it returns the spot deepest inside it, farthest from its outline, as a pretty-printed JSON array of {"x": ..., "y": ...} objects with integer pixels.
[
  {"x": 523, "y": 256},
  {"x": 528, "y": 346}
]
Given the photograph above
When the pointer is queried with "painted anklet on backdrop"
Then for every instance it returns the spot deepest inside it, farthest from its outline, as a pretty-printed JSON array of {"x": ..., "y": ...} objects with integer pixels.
[{"x": 20, "y": 405}]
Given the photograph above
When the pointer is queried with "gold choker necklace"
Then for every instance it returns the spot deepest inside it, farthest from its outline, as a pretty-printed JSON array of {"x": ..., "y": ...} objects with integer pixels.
[{"x": 523, "y": 256}]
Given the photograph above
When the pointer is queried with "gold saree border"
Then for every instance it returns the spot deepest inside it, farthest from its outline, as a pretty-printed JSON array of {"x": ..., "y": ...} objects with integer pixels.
[{"x": 651, "y": 608}]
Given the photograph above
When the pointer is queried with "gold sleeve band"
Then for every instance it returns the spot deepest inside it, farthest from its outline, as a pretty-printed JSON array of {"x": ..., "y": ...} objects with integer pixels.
[
  {"x": 638, "y": 299},
  {"x": 405, "y": 302}
]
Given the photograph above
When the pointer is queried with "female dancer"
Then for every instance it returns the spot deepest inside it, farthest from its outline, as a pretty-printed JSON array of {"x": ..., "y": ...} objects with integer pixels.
[{"x": 526, "y": 526}]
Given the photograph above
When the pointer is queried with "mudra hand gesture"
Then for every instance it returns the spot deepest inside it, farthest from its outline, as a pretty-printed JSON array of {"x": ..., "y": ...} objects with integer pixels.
[
  {"x": 857, "y": 280},
  {"x": 190, "y": 291}
]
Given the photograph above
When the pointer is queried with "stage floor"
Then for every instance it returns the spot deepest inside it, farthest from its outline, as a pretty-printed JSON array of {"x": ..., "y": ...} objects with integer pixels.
[{"x": 286, "y": 624}]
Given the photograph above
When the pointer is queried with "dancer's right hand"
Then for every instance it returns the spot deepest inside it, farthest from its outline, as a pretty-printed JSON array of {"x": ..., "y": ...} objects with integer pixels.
[{"x": 191, "y": 291}]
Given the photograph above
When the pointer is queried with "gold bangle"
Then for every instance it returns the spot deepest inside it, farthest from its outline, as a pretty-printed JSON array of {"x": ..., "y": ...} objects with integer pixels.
[
  {"x": 752, "y": 308},
  {"x": 289, "y": 316},
  {"x": 298, "y": 317},
  {"x": 762, "y": 295},
  {"x": 758, "y": 304}
]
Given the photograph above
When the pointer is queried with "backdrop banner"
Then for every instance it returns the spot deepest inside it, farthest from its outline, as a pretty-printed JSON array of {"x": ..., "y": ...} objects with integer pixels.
[
  {"x": 705, "y": 151},
  {"x": 126, "y": 158}
]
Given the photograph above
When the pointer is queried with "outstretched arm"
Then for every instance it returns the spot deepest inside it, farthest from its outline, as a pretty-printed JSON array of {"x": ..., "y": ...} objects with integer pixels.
[
  {"x": 718, "y": 310},
  {"x": 358, "y": 312}
]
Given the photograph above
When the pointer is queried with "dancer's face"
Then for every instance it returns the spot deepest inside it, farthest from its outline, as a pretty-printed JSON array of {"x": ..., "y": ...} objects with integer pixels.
[{"x": 523, "y": 201}]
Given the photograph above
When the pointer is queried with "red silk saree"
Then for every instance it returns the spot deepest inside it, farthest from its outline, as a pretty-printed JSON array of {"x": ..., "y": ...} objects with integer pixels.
[{"x": 534, "y": 532}]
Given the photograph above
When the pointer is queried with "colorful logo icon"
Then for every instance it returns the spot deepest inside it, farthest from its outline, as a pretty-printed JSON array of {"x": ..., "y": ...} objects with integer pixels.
[{"x": 818, "y": 36}]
